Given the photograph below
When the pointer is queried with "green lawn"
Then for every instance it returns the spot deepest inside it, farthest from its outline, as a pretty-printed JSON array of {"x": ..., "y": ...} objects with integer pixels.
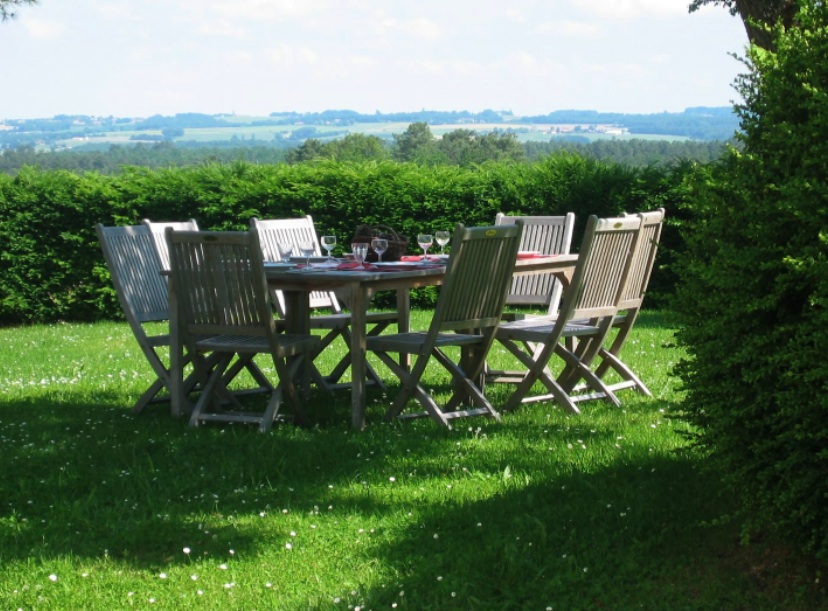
[{"x": 100, "y": 509}]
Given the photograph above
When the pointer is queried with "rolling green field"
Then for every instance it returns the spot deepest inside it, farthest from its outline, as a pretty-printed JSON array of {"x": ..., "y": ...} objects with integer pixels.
[{"x": 244, "y": 130}]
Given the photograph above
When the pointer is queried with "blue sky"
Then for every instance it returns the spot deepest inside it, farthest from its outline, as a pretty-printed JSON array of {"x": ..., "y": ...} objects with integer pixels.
[{"x": 131, "y": 58}]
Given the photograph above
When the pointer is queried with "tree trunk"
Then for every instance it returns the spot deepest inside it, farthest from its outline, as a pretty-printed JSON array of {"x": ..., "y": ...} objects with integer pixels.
[{"x": 757, "y": 15}]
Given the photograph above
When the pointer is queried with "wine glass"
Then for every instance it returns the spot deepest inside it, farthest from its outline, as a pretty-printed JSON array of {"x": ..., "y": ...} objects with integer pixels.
[
  {"x": 425, "y": 240},
  {"x": 442, "y": 238},
  {"x": 307, "y": 249},
  {"x": 329, "y": 243},
  {"x": 285, "y": 251},
  {"x": 380, "y": 245},
  {"x": 360, "y": 251}
]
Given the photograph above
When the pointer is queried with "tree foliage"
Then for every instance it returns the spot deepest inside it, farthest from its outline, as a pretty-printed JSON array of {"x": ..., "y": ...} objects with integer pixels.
[
  {"x": 415, "y": 139},
  {"x": 754, "y": 292},
  {"x": 8, "y": 7}
]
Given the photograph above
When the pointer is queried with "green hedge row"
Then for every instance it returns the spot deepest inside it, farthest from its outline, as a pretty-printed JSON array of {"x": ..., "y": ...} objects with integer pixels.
[
  {"x": 51, "y": 266},
  {"x": 753, "y": 295}
]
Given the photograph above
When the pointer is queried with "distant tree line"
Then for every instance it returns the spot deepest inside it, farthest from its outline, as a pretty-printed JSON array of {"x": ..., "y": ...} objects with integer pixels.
[
  {"x": 461, "y": 147},
  {"x": 113, "y": 159},
  {"x": 697, "y": 123}
]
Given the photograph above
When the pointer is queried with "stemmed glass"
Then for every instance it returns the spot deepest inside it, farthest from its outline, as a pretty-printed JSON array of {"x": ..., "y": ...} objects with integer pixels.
[
  {"x": 360, "y": 251},
  {"x": 442, "y": 238},
  {"x": 307, "y": 249},
  {"x": 425, "y": 240},
  {"x": 380, "y": 245},
  {"x": 329, "y": 243},
  {"x": 285, "y": 250}
]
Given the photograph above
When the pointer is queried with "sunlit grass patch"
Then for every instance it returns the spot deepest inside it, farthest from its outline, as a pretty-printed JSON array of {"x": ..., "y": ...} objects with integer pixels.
[{"x": 103, "y": 509}]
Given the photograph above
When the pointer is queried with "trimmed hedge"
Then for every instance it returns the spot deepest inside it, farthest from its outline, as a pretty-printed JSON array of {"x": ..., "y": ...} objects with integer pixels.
[{"x": 51, "y": 267}]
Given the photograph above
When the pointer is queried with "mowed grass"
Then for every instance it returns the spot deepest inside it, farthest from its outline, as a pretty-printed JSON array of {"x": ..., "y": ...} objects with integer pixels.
[{"x": 101, "y": 509}]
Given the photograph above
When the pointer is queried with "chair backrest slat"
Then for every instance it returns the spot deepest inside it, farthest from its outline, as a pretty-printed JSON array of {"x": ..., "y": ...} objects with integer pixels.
[
  {"x": 478, "y": 274},
  {"x": 135, "y": 268},
  {"x": 643, "y": 261},
  {"x": 219, "y": 280},
  {"x": 273, "y": 232},
  {"x": 549, "y": 235},
  {"x": 158, "y": 231},
  {"x": 603, "y": 264}
]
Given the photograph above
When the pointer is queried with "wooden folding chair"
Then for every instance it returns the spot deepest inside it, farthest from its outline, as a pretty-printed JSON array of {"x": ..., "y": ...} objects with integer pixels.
[
  {"x": 629, "y": 308},
  {"x": 225, "y": 309},
  {"x": 592, "y": 298},
  {"x": 159, "y": 236},
  {"x": 547, "y": 235},
  {"x": 478, "y": 276},
  {"x": 135, "y": 269},
  {"x": 335, "y": 321}
]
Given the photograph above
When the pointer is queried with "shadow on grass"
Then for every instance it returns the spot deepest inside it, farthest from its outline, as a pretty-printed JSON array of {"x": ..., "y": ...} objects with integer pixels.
[
  {"x": 584, "y": 541},
  {"x": 81, "y": 477}
]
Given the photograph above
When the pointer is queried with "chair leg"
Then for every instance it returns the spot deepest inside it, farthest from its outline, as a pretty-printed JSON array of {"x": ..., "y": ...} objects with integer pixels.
[
  {"x": 521, "y": 393},
  {"x": 286, "y": 370},
  {"x": 245, "y": 361},
  {"x": 630, "y": 379},
  {"x": 148, "y": 396},
  {"x": 207, "y": 394},
  {"x": 411, "y": 388},
  {"x": 345, "y": 362}
]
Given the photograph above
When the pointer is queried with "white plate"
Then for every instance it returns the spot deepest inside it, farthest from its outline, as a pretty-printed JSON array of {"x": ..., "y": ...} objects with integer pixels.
[{"x": 279, "y": 265}]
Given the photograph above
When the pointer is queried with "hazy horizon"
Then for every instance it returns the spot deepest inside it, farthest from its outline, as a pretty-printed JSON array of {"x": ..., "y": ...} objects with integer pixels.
[{"x": 254, "y": 57}]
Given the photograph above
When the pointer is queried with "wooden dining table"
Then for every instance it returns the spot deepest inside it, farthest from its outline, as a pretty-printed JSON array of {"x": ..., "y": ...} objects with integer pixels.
[
  {"x": 357, "y": 287},
  {"x": 360, "y": 286}
]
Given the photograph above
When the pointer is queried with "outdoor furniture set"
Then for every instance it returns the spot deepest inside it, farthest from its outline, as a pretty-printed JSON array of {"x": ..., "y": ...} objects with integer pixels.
[{"x": 228, "y": 296}]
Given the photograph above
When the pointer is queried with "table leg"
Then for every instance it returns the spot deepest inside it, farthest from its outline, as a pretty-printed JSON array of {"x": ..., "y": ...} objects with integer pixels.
[
  {"x": 359, "y": 308},
  {"x": 176, "y": 373},
  {"x": 404, "y": 321},
  {"x": 297, "y": 320}
]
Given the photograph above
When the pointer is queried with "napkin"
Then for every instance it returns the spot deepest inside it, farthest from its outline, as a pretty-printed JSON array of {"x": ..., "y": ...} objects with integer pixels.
[
  {"x": 417, "y": 258},
  {"x": 532, "y": 255},
  {"x": 354, "y": 266}
]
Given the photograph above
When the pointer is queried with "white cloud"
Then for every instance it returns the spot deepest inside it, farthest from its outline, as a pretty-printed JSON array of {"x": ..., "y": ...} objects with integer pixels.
[
  {"x": 117, "y": 11},
  {"x": 416, "y": 28},
  {"x": 286, "y": 56},
  {"x": 516, "y": 15},
  {"x": 266, "y": 10},
  {"x": 44, "y": 30},
  {"x": 527, "y": 65},
  {"x": 631, "y": 9},
  {"x": 574, "y": 29},
  {"x": 222, "y": 28}
]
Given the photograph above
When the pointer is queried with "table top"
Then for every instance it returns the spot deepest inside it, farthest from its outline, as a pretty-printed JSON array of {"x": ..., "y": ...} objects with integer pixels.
[{"x": 331, "y": 277}]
